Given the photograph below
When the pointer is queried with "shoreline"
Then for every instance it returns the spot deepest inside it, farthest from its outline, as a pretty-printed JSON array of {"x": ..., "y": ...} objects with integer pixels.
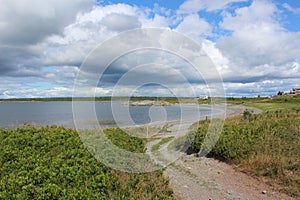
[{"x": 231, "y": 110}]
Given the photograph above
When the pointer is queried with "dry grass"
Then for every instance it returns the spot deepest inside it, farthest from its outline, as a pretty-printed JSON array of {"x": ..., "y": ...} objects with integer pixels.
[
  {"x": 152, "y": 183},
  {"x": 265, "y": 145}
]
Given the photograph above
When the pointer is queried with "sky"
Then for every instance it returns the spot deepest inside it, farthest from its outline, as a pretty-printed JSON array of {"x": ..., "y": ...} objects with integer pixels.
[{"x": 253, "y": 44}]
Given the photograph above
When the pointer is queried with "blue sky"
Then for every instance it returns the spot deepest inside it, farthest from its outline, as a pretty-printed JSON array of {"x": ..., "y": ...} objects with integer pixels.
[{"x": 254, "y": 45}]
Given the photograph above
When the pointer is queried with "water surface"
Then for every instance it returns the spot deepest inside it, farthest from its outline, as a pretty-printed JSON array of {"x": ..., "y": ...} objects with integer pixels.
[{"x": 15, "y": 114}]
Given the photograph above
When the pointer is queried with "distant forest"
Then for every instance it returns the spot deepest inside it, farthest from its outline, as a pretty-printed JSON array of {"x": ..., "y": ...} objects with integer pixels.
[{"x": 106, "y": 98}]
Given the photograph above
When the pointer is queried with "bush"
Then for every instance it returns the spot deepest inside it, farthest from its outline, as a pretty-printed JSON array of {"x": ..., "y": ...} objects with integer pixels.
[{"x": 52, "y": 163}]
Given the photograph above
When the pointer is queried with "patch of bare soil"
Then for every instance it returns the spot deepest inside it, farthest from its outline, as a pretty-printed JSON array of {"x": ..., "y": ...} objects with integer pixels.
[{"x": 204, "y": 178}]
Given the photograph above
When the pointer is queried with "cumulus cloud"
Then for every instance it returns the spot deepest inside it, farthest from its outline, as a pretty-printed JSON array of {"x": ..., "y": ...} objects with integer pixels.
[
  {"x": 30, "y": 21},
  {"x": 44, "y": 82},
  {"x": 92, "y": 28},
  {"x": 258, "y": 40},
  {"x": 120, "y": 22},
  {"x": 55, "y": 37},
  {"x": 268, "y": 87},
  {"x": 151, "y": 65},
  {"x": 193, "y": 25},
  {"x": 157, "y": 21},
  {"x": 23, "y": 24},
  {"x": 48, "y": 41},
  {"x": 15, "y": 58}
]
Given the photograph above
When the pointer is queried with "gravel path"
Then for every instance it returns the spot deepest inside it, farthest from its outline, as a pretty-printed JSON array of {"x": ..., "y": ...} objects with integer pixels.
[
  {"x": 206, "y": 178},
  {"x": 201, "y": 178}
]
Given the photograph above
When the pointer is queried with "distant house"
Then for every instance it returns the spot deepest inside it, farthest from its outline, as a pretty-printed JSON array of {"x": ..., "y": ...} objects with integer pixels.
[
  {"x": 205, "y": 97},
  {"x": 295, "y": 91}
]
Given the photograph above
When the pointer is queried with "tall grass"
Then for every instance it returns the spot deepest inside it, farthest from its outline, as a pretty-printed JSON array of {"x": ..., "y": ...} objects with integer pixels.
[{"x": 265, "y": 145}]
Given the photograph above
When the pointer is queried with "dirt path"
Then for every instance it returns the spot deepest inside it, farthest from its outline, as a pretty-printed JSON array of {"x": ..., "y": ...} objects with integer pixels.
[{"x": 204, "y": 178}]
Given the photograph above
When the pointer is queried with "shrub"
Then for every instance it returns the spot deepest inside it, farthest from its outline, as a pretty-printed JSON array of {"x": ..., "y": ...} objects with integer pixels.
[{"x": 51, "y": 163}]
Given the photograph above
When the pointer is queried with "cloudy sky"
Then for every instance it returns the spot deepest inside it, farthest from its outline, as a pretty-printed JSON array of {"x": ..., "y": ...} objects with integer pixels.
[{"x": 253, "y": 44}]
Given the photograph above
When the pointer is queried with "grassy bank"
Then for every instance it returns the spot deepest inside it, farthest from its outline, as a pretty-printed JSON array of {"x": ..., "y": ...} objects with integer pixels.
[
  {"x": 266, "y": 145},
  {"x": 52, "y": 163}
]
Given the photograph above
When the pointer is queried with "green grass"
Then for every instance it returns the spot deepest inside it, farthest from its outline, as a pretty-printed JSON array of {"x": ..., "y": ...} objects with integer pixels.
[
  {"x": 163, "y": 141},
  {"x": 52, "y": 163},
  {"x": 265, "y": 145},
  {"x": 272, "y": 107},
  {"x": 290, "y": 103},
  {"x": 265, "y": 103},
  {"x": 125, "y": 141}
]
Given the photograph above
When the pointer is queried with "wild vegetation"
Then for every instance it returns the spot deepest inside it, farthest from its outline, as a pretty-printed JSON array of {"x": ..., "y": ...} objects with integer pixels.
[
  {"x": 266, "y": 145},
  {"x": 163, "y": 141},
  {"x": 52, "y": 163}
]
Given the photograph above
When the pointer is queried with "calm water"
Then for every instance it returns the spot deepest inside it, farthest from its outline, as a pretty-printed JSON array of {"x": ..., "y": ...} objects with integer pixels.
[{"x": 14, "y": 114}]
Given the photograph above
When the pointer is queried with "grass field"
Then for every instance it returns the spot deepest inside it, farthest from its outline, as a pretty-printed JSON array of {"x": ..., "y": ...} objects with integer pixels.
[{"x": 266, "y": 145}]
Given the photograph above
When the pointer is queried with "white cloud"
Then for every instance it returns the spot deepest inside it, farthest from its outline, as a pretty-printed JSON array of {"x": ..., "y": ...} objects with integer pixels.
[
  {"x": 120, "y": 22},
  {"x": 268, "y": 87},
  {"x": 92, "y": 28},
  {"x": 256, "y": 51},
  {"x": 61, "y": 75},
  {"x": 221, "y": 62},
  {"x": 193, "y": 25},
  {"x": 259, "y": 13},
  {"x": 157, "y": 21},
  {"x": 257, "y": 37},
  {"x": 193, "y": 6},
  {"x": 291, "y": 9}
]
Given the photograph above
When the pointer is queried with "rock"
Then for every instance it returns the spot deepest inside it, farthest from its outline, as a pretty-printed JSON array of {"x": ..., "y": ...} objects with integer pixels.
[
  {"x": 148, "y": 103},
  {"x": 264, "y": 192}
]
